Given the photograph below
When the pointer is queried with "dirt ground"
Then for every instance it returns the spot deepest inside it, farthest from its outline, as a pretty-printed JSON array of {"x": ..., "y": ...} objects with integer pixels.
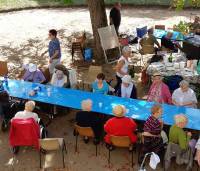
[{"x": 23, "y": 40}]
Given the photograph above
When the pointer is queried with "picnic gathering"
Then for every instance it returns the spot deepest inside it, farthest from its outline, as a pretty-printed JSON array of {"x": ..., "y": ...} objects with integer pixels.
[{"x": 162, "y": 125}]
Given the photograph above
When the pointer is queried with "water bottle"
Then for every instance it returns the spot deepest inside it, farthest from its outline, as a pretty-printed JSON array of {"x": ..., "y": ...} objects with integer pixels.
[{"x": 6, "y": 79}]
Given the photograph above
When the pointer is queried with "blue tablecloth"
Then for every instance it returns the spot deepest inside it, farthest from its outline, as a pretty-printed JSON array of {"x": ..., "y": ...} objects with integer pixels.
[
  {"x": 176, "y": 35},
  {"x": 137, "y": 109}
]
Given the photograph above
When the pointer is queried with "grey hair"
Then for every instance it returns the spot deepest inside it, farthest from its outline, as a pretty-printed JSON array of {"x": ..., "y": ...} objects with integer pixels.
[
  {"x": 183, "y": 82},
  {"x": 85, "y": 104},
  {"x": 125, "y": 49},
  {"x": 30, "y": 105}
]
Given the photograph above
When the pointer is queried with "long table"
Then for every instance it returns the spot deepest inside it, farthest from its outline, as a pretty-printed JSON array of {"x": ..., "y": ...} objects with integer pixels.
[
  {"x": 176, "y": 35},
  {"x": 137, "y": 109}
]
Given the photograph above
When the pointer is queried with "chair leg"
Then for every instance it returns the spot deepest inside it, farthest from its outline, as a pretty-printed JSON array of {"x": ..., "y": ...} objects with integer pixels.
[
  {"x": 76, "y": 146},
  {"x": 63, "y": 157},
  {"x": 96, "y": 149},
  {"x": 132, "y": 158},
  {"x": 40, "y": 159},
  {"x": 64, "y": 145},
  {"x": 108, "y": 156}
]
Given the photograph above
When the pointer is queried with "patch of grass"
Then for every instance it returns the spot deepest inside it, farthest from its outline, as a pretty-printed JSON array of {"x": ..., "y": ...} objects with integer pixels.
[{"x": 8, "y": 4}]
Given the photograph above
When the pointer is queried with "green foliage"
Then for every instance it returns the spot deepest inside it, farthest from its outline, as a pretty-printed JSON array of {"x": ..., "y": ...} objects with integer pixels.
[
  {"x": 68, "y": 1},
  {"x": 179, "y": 4},
  {"x": 182, "y": 27}
]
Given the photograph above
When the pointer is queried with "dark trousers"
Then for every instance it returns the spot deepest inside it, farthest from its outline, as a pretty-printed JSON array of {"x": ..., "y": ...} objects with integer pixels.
[
  {"x": 119, "y": 81},
  {"x": 117, "y": 29}
]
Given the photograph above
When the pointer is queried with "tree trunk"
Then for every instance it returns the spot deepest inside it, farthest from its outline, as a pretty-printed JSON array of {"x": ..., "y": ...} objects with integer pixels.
[{"x": 98, "y": 20}]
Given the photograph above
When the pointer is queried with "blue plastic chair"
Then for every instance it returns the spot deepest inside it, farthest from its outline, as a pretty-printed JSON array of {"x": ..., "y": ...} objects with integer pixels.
[{"x": 141, "y": 31}]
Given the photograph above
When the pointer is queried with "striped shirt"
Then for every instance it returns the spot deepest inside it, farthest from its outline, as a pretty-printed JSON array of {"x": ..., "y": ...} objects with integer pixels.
[{"x": 152, "y": 125}]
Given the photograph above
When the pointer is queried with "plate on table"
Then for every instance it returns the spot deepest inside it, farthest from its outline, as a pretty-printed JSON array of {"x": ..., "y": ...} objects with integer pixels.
[
  {"x": 169, "y": 64},
  {"x": 170, "y": 68}
]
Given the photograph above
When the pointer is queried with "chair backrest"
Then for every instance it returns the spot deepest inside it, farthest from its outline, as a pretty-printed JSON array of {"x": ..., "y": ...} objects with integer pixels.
[
  {"x": 49, "y": 144},
  {"x": 24, "y": 132},
  {"x": 161, "y": 27},
  {"x": 92, "y": 73},
  {"x": 46, "y": 74},
  {"x": 141, "y": 31},
  {"x": 84, "y": 131},
  {"x": 120, "y": 141},
  {"x": 3, "y": 68}
]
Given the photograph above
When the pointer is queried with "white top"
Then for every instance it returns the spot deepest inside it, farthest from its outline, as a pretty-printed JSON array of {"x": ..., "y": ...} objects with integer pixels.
[
  {"x": 25, "y": 115},
  {"x": 198, "y": 144},
  {"x": 126, "y": 91},
  {"x": 124, "y": 67},
  {"x": 184, "y": 97}
]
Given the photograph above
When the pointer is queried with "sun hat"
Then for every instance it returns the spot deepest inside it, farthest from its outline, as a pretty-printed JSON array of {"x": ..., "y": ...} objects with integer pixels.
[
  {"x": 32, "y": 67},
  {"x": 119, "y": 111},
  {"x": 156, "y": 74},
  {"x": 127, "y": 79}
]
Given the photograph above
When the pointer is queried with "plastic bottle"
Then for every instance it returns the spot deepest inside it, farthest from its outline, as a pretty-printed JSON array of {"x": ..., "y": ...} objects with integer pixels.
[
  {"x": 6, "y": 79},
  {"x": 170, "y": 58}
]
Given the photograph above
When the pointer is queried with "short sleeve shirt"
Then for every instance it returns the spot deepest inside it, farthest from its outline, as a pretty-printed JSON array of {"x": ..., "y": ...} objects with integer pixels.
[
  {"x": 53, "y": 46},
  {"x": 183, "y": 97}
]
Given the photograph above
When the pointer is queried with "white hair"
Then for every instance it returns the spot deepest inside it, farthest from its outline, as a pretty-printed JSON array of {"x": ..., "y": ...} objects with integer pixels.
[
  {"x": 30, "y": 105},
  {"x": 85, "y": 104},
  {"x": 183, "y": 82},
  {"x": 125, "y": 49}
]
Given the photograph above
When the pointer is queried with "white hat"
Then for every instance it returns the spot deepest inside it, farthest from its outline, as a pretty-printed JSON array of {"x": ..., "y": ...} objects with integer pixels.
[
  {"x": 154, "y": 160},
  {"x": 32, "y": 67},
  {"x": 127, "y": 79}
]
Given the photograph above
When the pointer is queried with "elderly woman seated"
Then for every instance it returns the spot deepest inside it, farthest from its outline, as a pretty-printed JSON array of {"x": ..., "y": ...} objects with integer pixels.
[
  {"x": 127, "y": 88},
  {"x": 153, "y": 141},
  {"x": 148, "y": 43},
  {"x": 87, "y": 118},
  {"x": 167, "y": 44},
  {"x": 100, "y": 85},
  {"x": 184, "y": 96},
  {"x": 177, "y": 135},
  {"x": 198, "y": 151},
  {"x": 33, "y": 74},
  {"x": 28, "y": 112},
  {"x": 159, "y": 91},
  {"x": 120, "y": 125},
  {"x": 60, "y": 77}
]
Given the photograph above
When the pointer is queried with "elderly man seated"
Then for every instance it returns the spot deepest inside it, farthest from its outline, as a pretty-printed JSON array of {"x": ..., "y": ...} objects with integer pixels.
[
  {"x": 167, "y": 44},
  {"x": 198, "y": 151},
  {"x": 60, "y": 77},
  {"x": 28, "y": 112},
  {"x": 33, "y": 74},
  {"x": 148, "y": 43},
  {"x": 195, "y": 26},
  {"x": 184, "y": 96}
]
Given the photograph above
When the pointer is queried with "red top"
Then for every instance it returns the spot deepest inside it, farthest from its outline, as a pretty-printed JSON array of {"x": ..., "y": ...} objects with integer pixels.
[
  {"x": 120, "y": 127},
  {"x": 24, "y": 132}
]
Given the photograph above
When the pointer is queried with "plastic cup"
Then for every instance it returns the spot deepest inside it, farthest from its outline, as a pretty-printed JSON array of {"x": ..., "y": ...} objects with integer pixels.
[
  {"x": 48, "y": 92},
  {"x": 100, "y": 104}
]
